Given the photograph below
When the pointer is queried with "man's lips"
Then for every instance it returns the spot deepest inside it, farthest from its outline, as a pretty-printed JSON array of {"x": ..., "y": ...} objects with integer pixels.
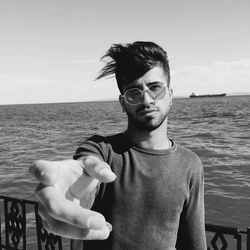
[{"x": 146, "y": 111}]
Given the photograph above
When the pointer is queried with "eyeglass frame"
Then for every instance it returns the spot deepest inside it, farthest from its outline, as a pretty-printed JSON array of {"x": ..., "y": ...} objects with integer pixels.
[{"x": 142, "y": 92}]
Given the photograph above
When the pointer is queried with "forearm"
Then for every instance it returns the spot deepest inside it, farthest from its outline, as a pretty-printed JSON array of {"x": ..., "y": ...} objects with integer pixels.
[
  {"x": 196, "y": 218},
  {"x": 88, "y": 197},
  {"x": 192, "y": 222}
]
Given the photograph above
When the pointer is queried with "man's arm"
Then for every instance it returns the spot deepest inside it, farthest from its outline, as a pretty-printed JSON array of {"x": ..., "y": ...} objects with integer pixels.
[
  {"x": 62, "y": 185},
  {"x": 191, "y": 233}
]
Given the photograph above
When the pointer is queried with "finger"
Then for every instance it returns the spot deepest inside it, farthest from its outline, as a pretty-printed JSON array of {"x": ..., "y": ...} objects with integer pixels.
[
  {"x": 82, "y": 186},
  {"x": 44, "y": 217},
  {"x": 44, "y": 171},
  {"x": 66, "y": 230},
  {"x": 93, "y": 171},
  {"x": 42, "y": 211},
  {"x": 91, "y": 234},
  {"x": 98, "y": 169},
  {"x": 61, "y": 209}
]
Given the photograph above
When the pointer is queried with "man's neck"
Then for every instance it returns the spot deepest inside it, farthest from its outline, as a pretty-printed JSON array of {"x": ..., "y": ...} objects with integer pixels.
[{"x": 156, "y": 139}]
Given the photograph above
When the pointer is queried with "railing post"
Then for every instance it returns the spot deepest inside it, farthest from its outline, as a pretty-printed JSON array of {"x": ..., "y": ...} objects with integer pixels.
[
  {"x": 248, "y": 238},
  {"x": 238, "y": 237},
  {"x": 6, "y": 224},
  {"x": 49, "y": 240},
  {"x": 15, "y": 226},
  {"x": 24, "y": 223},
  {"x": 0, "y": 231}
]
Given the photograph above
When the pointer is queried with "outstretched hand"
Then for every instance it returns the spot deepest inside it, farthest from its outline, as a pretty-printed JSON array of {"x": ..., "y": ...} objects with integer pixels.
[{"x": 62, "y": 185}]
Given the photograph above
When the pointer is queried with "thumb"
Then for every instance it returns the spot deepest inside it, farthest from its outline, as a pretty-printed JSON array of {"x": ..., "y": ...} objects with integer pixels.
[
  {"x": 98, "y": 169},
  {"x": 44, "y": 171},
  {"x": 94, "y": 171}
]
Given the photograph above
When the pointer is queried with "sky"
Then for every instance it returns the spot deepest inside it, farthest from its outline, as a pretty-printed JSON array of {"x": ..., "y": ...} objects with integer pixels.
[{"x": 50, "y": 50}]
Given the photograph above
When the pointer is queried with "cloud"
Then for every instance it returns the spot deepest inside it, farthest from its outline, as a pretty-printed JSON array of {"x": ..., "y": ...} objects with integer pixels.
[
  {"x": 32, "y": 88},
  {"x": 233, "y": 67},
  {"x": 243, "y": 64},
  {"x": 193, "y": 70},
  {"x": 220, "y": 76},
  {"x": 81, "y": 61},
  {"x": 76, "y": 83}
]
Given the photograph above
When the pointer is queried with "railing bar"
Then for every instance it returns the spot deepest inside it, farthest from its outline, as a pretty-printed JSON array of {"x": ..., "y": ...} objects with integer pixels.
[
  {"x": 6, "y": 224},
  {"x": 60, "y": 244},
  {"x": 243, "y": 232},
  {"x": 3, "y": 246},
  {"x": 210, "y": 228},
  {"x": 239, "y": 242},
  {"x": 39, "y": 243},
  {"x": 17, "y": 199},
  {"x": 24, "y": 226},
  {"x": 0, "y": 233},
  {"x": 248, "y": 238}
]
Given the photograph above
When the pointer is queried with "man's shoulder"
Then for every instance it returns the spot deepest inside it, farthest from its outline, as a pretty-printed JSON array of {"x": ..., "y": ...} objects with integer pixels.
[
  {"x": 189, "y": 163},
  {"x": 102, "y": 145},
  {"x": 118, "y": 142},
  {"x": 107, "y": 139},
  {"x": 189, "y": 155}
]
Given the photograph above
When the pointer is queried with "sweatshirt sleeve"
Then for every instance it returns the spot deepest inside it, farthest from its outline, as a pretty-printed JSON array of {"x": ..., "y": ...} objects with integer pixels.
[
  {"x": 91, "y": 146},
  {"x": 95, "y": 145},
  {"x": 192, "y": 222}
]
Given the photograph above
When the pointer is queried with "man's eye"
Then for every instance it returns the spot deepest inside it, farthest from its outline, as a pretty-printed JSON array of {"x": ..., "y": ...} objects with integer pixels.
[
  {"x": 155, "y": 87},
  {"x": 134, "y": 91}
]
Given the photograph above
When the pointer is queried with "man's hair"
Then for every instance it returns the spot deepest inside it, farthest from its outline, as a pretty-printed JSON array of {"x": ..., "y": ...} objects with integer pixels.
[{"x": 131, "y": 61}]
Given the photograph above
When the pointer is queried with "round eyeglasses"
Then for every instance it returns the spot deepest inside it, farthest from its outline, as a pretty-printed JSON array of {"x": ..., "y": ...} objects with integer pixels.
[{"x": 134, "y": 96}]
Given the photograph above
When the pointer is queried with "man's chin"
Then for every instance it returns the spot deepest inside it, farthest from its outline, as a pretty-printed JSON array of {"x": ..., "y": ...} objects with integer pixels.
[
  {"x": 146, "y": 122},
  {"x": 146, "y": 125}
]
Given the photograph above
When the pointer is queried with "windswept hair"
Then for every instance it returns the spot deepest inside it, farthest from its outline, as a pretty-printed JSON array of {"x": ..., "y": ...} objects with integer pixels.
[{"x": 131, "y": 61}]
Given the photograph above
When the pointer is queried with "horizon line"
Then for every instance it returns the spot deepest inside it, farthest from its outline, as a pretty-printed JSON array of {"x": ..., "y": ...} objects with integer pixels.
[{"x": 110, "y": 100}]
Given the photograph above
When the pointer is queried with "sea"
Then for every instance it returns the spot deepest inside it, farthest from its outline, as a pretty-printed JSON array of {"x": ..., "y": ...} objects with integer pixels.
[{"x": 217, "y": 129}]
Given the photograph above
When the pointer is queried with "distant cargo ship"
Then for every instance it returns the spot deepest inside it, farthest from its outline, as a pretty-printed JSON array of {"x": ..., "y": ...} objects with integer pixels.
[{"x": 195, "y": 95}]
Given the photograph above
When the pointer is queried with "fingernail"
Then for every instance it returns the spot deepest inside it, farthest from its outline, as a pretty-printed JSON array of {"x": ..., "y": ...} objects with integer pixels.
[
  {"x": 94, "y": 222},
  {"x": 109, "y": 226},
  {"x": 107, "y": 172},
  {"x": 42, "y": 174},
  {"x": 76, "y": 201},
  {"x": 48, "y": 177}
]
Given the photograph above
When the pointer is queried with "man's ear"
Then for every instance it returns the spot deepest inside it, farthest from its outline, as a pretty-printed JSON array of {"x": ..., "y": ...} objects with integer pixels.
[
  {"x": 121, "y": 100},
  {"x": 171, "y": 96}
]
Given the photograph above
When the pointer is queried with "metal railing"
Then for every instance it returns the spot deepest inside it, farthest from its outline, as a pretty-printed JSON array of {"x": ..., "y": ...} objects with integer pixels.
[
  {"x": 222, "y": 238},
  {"x": 13, "y": 228}
]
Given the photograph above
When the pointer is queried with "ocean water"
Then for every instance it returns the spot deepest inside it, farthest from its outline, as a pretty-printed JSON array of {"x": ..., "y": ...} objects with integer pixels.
[{"x": 216, "y": 129}]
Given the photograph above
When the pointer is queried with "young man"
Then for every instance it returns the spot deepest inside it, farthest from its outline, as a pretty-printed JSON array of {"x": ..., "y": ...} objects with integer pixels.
[{"x": 148, "y": 188}]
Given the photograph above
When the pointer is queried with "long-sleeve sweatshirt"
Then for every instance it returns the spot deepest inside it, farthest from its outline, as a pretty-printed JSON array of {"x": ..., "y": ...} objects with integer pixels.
[{"x": 157, "y": 200}]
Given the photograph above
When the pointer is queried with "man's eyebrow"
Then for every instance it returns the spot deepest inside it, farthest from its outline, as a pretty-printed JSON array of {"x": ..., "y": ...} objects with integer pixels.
[
  {"x": 139, "y": 86},
  {"x": 134, "y": 86},
  {"x": 155, "y": 82}
]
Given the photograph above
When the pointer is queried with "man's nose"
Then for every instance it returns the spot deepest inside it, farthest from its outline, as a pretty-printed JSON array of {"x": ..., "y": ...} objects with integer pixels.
[{"x": 146, "y": 97}]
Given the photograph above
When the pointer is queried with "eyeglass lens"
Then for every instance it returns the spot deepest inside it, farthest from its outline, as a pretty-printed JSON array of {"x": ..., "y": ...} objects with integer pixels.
[{"x": 156, "y": 91}]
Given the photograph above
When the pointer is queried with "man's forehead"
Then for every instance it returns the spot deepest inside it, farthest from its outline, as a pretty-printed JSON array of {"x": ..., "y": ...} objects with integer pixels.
[{"x": 156, "y": 74}]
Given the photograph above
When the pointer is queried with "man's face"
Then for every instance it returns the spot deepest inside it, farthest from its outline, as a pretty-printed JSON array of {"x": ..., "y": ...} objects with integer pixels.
[{"x": 150, "y": 113}]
